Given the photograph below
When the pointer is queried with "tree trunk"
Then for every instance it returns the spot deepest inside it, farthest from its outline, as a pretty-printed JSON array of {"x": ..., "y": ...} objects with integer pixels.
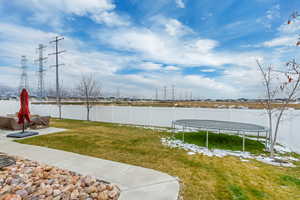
[
  {"x": 88, "y": 114},
  {"x": 276, "y": 133},
  {"x": 270, "y": 127}
]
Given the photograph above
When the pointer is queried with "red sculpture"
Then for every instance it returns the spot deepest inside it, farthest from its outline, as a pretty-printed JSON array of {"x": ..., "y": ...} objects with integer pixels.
[{"x": 24, "y": 110}]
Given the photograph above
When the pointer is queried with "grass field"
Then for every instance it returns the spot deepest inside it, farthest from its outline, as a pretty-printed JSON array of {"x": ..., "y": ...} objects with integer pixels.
[
  {"x": 202, "y": 177},
  {"x": 222, "y": 141}
]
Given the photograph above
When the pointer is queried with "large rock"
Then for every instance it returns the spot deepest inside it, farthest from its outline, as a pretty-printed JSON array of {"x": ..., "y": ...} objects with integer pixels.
[{"x": 10, "y": 122}]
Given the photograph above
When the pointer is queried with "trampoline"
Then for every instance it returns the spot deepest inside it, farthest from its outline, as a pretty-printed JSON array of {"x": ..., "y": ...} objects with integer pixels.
[{"x": 213, "y": 125}]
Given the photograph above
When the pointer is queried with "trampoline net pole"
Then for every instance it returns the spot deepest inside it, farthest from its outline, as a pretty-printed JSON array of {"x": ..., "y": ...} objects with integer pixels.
[
  {"x": 173, "y": 129},
  {"x": 206, "y": 139},
  {"x": 243, "y": 141},
  {"x": 266, "y": 142}
]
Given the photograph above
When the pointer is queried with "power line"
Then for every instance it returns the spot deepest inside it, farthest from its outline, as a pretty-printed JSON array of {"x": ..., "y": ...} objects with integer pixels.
[
  {"x": 57, "y": 53},
  {"x": 41, "y": 60},
  {"x": 24, "y": 77}
]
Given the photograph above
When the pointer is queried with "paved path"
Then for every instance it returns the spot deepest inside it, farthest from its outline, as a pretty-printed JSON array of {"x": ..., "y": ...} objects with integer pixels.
[
  {"x": 135, "y": 182},
  {"x": 44, "y": 131}
]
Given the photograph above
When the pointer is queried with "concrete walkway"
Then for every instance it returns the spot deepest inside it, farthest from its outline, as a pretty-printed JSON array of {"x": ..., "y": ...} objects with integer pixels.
[
  {"x": 44, "y": 131},
  {"x": 135, "y": 182}
]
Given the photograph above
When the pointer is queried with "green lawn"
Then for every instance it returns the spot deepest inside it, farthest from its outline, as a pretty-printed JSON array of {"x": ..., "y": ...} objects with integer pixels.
[
  {"x": 202, "y": 177},
  {"x": 221, "y": 141}
]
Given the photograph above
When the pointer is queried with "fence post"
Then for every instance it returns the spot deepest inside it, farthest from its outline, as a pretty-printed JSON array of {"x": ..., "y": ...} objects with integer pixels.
[
  {"x": 149, "y": 113},
  {"x": 174, "y": 113}
]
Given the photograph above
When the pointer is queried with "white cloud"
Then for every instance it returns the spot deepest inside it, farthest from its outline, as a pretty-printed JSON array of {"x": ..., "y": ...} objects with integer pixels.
[
  {"x": 291, "y": 28},
  {"x": 169, "y": 26},
  {"x": 209, "y": 83},
  {"x": 203, "y": 87},
  {"x": 246, "y": 81},
  {"x": 164, "y": 49},
  {"x": 171, "y": 68},
  {"x": 287, "y": 35},
  {"x": 243, "y": 76},
  {"x": 180, "y": 3},
  {"x": 175, "y": 28},
  {"x": 21, "y": 40},
  {"x": 273, "y": 12},
  {"x": 205, "y": 45},
  {"x": 281, "y": 41},
  {"x": 270, "y": 15},
  {"x": 208, "y": 70},
  {"x": 51, "y": 11},
  {"x": 150, "y": 66},
  {"x": 110, "y": 19}
]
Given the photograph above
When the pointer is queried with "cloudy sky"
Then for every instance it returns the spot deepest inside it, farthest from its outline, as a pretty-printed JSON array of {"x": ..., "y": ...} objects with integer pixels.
[{"x": 207, "y": 47}]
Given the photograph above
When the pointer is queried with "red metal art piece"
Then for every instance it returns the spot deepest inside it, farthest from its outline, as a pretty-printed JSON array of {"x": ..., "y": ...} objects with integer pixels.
[{"x": 24, "y": 112}]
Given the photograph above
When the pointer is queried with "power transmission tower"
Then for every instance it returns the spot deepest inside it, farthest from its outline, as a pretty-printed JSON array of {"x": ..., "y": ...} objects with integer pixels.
[
  {"x": 57, "y": 53},
  {"x": 118, "y": 93},
  {"x": 156, "y": 94},
  {"x": 41, "y": 60},
  {"x": 165, "y": 92},
  {"x": 173, "y": 92},
  {"x": 24, "y": 78}
]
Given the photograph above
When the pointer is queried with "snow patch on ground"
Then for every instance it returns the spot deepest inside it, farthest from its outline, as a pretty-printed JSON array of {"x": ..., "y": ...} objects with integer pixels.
[
  {"x": 149, "y": 127},
  {"x": 282, "y": 149},
  {"x": 244, "y": 156}
]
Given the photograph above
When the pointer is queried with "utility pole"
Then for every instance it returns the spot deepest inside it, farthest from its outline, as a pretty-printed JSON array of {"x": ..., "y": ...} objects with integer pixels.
[
  {"x": 40, "y": 60},
  {"x": 24, "y": 78},
  {"x": 165, "y": 92},
  {"x": 56, "y": 53},
  {"x": 173, "y": 92}
]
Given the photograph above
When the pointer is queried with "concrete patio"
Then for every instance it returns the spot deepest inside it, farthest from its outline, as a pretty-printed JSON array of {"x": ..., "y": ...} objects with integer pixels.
[{"x": 135, "y": 182}]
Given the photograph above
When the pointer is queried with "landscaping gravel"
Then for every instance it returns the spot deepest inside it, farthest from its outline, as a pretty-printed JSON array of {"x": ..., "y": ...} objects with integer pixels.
[{"x": 29, "y": 180}]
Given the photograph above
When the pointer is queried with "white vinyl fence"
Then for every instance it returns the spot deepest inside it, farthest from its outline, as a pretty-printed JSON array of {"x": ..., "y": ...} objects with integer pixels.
[
  {"x": 162, "y": 116},
  {"x": 9, "y": 107}
]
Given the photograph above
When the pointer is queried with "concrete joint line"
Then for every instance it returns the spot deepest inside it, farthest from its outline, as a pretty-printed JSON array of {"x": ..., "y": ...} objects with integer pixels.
[{"x": 149, "y": 185}]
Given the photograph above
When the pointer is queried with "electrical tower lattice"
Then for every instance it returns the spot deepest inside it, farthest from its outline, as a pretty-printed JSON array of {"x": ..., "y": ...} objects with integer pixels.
[
  {"x": 24, "y": 78},
  {"x": 41, "y": 70}
]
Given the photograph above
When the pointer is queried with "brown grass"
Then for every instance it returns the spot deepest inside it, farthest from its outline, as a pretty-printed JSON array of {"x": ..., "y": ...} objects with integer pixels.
[
  {"x": 202, "y": 177},
  {"x": 201, "y": 104}
]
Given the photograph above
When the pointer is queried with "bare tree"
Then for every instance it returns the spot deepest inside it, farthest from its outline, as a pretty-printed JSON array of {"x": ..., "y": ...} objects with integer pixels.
[
  {"x": 89, "y": 90},
  {"x": 283, "y": 84}
]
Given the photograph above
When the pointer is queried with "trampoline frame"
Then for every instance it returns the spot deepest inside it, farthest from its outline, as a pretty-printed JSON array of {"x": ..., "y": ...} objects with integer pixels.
[{"x": 192, "y": 123}]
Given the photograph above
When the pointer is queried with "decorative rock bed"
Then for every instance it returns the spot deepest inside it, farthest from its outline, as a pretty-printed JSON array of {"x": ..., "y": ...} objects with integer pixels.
[{"x": 29, "y": 180}]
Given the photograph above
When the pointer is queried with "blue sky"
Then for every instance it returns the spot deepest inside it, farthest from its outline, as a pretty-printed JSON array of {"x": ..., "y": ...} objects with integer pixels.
[{"x": 207, "y": 47}]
